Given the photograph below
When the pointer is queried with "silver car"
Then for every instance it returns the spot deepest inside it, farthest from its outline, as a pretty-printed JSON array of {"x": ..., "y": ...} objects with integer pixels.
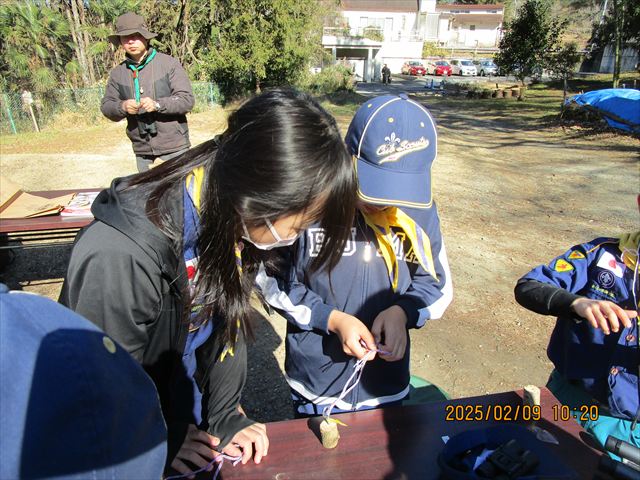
[
  {"x": 462, "y": 66},
  {"x": 487, "y": 67}
]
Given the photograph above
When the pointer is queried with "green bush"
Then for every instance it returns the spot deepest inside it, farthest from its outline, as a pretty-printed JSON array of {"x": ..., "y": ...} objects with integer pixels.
[
  {"x": 373, "y": 33},
  {"x": 431, "y": 49},
  {"x": 331, "y": 79}
]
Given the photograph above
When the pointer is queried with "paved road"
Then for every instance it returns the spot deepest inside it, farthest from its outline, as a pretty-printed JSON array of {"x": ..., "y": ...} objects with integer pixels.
[{"x": 406, "y": 83}]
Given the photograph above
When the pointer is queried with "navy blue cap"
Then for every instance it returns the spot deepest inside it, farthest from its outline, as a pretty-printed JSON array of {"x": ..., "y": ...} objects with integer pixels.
[
  {"x": 73, "y": 403},
  {"x": 394, "y": 142}
]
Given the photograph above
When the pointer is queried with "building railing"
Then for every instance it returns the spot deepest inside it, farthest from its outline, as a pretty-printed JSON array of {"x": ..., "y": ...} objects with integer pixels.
[{"x": 375, "y": 33}]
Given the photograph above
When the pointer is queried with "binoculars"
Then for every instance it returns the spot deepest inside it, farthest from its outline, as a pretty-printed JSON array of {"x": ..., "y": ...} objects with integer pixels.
[
  {"x": 147, "y": 125},
  {"x": 629, "y": 467}
]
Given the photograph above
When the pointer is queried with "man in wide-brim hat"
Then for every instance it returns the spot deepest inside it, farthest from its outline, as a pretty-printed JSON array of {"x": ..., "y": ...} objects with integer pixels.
[
  {"x": 128, "y": 24},
  {"x": 152, "y": 91}
]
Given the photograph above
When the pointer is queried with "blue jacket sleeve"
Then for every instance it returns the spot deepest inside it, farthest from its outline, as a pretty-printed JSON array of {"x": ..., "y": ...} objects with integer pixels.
[
  {"x": 568, "y": 271},
  {"x": 287, "y": 293},
  {"x": 427, "y": 298},
  {"x": 551, "y": 289}
]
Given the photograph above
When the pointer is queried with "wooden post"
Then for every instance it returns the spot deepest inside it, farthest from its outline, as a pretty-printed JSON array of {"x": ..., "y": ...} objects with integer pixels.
[{"x": 33, "y": 117}]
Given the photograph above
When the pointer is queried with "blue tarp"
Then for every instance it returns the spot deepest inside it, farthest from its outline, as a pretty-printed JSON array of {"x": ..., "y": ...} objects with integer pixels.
[{"x": 619, "y": 106}]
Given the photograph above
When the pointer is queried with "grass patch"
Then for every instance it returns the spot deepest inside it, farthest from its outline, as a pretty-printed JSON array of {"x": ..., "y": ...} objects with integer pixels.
[
  {"x": 343, "y": 106},
  {"x": 79, "y": 138},
  {"x": 342, "y": 103},
  {"x": 597, "y": 81},
  {"x": 541, "y": 104}
]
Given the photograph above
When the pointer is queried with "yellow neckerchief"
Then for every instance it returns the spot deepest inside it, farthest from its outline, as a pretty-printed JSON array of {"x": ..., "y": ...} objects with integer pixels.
[
  {"x": 381, "y": 222},
  {"x": 194, "y": 182},
  {"x": 629, "y": 247}
]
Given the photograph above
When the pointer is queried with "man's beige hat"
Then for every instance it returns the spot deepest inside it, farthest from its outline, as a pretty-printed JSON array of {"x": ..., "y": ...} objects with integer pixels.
[{"x": 128, "y": 24}]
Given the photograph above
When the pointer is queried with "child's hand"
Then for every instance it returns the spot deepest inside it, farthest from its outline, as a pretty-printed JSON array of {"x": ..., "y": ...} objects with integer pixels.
[
  {"x": 353, "y": 334},
  {"x": 197, "y": 448},
  {"x": 249, "y": 442},
  {"x": 603, "y": 314},
  {"x": 392, "y": 323}
]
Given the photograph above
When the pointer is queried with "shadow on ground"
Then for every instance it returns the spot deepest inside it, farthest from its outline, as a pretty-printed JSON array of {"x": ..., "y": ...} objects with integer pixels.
[
  {"x": 266, "y": 396},
  {"x": 22, "y": 267}
]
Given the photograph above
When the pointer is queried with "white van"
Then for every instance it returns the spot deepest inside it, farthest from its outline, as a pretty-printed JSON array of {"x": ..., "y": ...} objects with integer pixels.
[{"x": 463, "y": 66}]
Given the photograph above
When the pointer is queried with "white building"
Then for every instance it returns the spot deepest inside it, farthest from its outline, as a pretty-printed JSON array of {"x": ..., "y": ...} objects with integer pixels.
[
  {"x": 371, "y": 33},
  {"x": 469, "y": 26}
]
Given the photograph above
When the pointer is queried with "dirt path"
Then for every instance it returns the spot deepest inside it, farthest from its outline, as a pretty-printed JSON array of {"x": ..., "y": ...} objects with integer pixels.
[{"x": 511, "y": 195}]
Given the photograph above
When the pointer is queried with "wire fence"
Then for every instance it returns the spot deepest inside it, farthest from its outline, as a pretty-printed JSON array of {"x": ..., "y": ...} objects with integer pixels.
[{"x": 28, "y": 112}]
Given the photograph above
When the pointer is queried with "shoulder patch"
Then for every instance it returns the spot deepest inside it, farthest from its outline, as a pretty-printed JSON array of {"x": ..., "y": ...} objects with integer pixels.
[
  {"x": 562, "y": 266},
  {"x": 576, "y": 255},
  {"x": 609, "y": 262}
]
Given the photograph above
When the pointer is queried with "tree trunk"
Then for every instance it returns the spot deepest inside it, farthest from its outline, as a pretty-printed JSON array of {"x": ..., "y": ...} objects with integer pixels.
[
  {"x": 618, "y": 19},
  {"x": 182, "y": 28},
  {"x": 76, "y": 42},
  {"x": 82, "y": 58},
  {"x": 87, "y": 42}
]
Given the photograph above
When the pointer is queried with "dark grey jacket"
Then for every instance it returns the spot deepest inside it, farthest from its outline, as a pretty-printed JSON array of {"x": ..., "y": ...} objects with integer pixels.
[
  {"x": 164, "y": 80},
  {"x": 125, "y": 277}
]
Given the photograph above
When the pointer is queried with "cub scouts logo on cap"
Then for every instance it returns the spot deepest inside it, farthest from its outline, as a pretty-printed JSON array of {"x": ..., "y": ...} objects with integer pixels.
[
  {"x": 563, "y": 266},
  {"x": 395, "y": 148}
]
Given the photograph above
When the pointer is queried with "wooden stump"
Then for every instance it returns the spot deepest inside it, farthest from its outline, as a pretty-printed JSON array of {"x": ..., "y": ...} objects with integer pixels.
[{"x": 329, "y": 434}]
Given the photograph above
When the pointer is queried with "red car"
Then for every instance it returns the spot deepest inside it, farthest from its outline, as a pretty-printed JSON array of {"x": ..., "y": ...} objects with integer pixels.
[
  {"x": 413, "y": 68},
  {"x": 439, "y": 67}
]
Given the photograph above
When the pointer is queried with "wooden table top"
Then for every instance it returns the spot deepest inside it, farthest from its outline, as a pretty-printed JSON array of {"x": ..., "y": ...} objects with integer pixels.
[
  {"x": 48, "y": 222},
  {"x": 397, "y": 443}
]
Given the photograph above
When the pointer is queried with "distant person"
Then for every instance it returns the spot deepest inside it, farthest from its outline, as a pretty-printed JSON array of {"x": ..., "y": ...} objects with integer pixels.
[
  {"x": 593, "y": 290},
  {"x": 386, "y": 74},
  {"x": 73, "y": 403},
  {"x": 393, "y": 275},
  {"x": 152, "y": 91}
]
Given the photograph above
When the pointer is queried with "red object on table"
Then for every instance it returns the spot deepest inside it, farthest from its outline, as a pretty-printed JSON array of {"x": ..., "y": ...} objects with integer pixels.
[
  {"x": 397, "y": 442},
  {"x": 49, "y": 222}
]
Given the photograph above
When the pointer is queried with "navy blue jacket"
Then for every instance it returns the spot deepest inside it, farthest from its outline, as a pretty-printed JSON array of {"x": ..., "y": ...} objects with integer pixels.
[
  {"x": 315, "y": 365},
  {"x": 606, "y": 366}
]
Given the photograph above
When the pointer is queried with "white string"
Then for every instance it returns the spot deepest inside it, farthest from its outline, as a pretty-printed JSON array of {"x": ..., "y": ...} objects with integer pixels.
[
  {"x": 358, "y": 368},
  {"x": 219, "y": 459}
]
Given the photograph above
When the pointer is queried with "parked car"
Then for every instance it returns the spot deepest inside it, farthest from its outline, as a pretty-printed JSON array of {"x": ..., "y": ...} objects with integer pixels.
[
  {"x": 486, "y": 67},
  {"x": 462, "y": 66},
  {"x": 439, "y": 67},
  {"x": 413, "y": 68}
]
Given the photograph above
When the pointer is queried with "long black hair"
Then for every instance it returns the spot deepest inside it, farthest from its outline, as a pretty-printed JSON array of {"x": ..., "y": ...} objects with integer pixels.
[{"x": 281, "y": 154}]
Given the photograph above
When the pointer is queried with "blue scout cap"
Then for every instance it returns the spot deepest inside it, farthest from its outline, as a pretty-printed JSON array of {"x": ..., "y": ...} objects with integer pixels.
[
  {"x": 73, "y": 403},
  {"x": 394, "y": 143}
]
